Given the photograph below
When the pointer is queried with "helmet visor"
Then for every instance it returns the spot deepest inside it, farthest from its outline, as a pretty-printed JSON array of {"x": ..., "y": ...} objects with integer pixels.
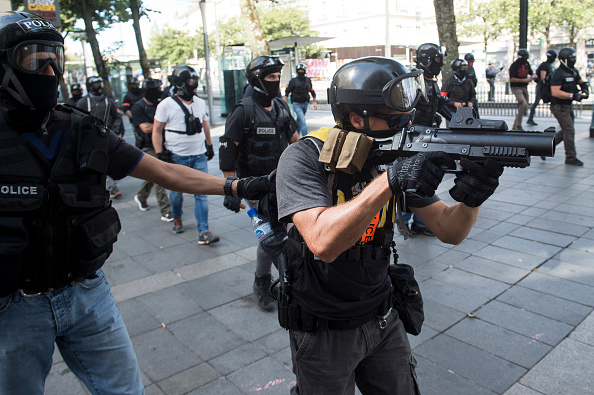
[
  {"x": 402, "y": 93},
  {"x": 32, "y": 57}
]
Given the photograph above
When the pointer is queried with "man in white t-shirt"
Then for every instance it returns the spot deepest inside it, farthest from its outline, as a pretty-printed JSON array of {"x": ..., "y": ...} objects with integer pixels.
[{"x": 187, "y": 138}]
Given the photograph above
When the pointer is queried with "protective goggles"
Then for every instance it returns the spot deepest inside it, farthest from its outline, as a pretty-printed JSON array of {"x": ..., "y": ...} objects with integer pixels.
[
  {"x": 32, "y": 57},
  {"x": 397, "y": 121},
  {"x": 400, "y": 94},
  {"x": 272, "y": 61}
]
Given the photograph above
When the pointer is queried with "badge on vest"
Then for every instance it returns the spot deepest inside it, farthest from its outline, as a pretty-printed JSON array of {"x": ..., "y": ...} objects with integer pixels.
[
  {"x": 569, "y": 79},
  {"x": 266, "y": 131}
]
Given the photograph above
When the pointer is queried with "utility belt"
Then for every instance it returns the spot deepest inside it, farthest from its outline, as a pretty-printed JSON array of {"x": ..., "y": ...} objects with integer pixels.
[
  {"x": 29, "y": 292},
  {"x": 355, "y": 253}
]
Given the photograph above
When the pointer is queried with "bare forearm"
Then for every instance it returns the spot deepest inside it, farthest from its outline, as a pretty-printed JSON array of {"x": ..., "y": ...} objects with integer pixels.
[
  {"x": 180, "y": 178},
  {"x": 451, "y": 224},
  {"x": 330, "y": 231},
  {"x": 157, "y": 136}
]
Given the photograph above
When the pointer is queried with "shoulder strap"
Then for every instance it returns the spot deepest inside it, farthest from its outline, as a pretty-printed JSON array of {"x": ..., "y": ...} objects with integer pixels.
[
  {"x": 184, "y": 108},
  {"x": 248, "y": 113}
]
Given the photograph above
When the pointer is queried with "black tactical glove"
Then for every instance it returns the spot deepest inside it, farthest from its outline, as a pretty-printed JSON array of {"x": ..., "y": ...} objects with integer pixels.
[
  {"x": 253, "y": 188},
  {"x": 209, "y": 152},
  {"x": 165, "y": 156},
  {"x": 421, "y": 173},
  {"x": 476, "y": 182},
  {"x": 232, "y": 203},
  {"x": 577, "y": 96}
]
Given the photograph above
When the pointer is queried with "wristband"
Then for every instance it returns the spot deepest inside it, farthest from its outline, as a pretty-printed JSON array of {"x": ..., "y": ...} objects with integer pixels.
[{"x": 227, "y": 186}]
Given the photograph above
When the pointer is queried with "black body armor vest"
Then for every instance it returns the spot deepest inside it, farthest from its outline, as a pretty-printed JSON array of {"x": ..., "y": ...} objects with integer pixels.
[
  {"x": 569, "y": 83},
  {"x": 426, "y": 111},
  {"x": 264, "y": 138},
  {"x": 357, "y": 282},
  {"x": 55, "y": 231},
  {"x": 301, "y": 90}
]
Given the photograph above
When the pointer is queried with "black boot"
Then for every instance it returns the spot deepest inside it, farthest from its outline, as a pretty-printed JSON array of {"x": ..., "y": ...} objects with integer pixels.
[{"x": 261, "y": 290}]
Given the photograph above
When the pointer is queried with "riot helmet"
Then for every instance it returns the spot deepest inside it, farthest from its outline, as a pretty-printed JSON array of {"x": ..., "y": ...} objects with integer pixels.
[
  {"x": 152, "y": 89},
  {"x": 260, "y": 67},
  {"x": 551, "y": 55},
  {"x": 460, "y": 68},
  {"x": 429, "y": 58},
  {"x": 95, "y": 85},
  {"x": 301, "y": 70},
  {"x": 523, "y": 53},
  {"x": 367, "y": 85},
  {"x": 567, "y": 57},
  {"x": 133, "y": 85},
  {"x": 185, "y": 80},
  {"x": 469, "y": 57},
  {"x": 76, "y": 90},
  {"x": 28, "y": 45}
]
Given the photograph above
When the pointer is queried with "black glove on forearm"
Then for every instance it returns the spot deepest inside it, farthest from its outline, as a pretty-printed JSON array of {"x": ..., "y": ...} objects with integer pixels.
[
  {"x": 165, "y": 156},
  {"x": 421, "y": 173},
  {"x": 209, "y": 152},
  {"x": 577, "y": 96},
  {"x": 253, "y": 188},
  {"x": 232, "y": 203},
  {"x": 476, "y": 182}
]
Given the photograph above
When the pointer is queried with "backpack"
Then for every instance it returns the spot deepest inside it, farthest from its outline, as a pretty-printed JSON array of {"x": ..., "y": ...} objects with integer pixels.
[{"x": 545, "y": 92}]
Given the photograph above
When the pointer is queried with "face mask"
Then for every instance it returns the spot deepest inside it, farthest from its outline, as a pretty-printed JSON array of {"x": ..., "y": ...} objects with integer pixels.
[
  {"x": 461, "y": 73},
  {"x": 187, "y": 91},
  {"x": 301, "y": 74},
  {"x": 273, "y": 89},
  {"x": 571, "y": 62},
  {"x": 152, "y": 95},
  {"x": 42, "y": 90}
]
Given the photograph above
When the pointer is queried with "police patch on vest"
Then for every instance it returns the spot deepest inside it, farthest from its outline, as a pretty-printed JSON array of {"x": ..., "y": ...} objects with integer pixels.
[
  {"x": 18, "y": 190},
  {"x": 569, "y": 79},
  {"x": 267, "y": 131}
]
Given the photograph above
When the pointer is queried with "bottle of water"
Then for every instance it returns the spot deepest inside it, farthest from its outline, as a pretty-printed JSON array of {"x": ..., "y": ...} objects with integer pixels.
[{"x": 271, "y": 243}]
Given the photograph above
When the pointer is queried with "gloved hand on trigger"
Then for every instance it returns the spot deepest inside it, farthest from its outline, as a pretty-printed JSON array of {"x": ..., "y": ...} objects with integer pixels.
[
  {"x": 477, "y": 182},
  {"x": 232, "y": 203},
  {"x": 209, "y": 152},
  {"x": 421, "y": 173},
  {"x": 253, "y": 188}
]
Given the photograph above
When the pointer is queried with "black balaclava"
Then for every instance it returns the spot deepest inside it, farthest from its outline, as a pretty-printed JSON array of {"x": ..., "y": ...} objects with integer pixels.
[
  {"x": 272, "y": 87},
  {"x": 301, "y": 73},
  {"x": 153, "y": 95}
]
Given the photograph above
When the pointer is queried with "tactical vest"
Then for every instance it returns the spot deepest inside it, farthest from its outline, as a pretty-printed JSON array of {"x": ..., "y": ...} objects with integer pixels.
[
  {"x": 264, "y": 138},
  {"x": 569, "y": 83},
  {"x": 301, "y": 90},
  {"x": 55, "y": 231},
  {"x": 356, "y": 284},
  {"x": 426, "y": 111}
]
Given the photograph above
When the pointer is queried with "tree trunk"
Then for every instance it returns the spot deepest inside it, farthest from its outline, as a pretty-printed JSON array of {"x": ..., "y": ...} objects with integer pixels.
[
  {"x": 446, "y": 28},
  {"x": 87, "y": 9},
  {"x": 146, "y": 72},
  {"x": 253, "y": 28},
  {"x": 64, "y": 91}
]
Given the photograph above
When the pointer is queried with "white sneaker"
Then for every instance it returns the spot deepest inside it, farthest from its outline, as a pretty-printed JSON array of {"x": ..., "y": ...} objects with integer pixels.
[{"x": 142, "y": 204}]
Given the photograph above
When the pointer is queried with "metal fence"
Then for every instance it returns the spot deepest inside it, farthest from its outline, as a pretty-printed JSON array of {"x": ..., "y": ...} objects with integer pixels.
[{"x": 504, "y": 102}]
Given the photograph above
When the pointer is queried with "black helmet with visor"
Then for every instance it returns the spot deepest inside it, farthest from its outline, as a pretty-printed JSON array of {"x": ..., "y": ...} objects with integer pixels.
[
  {"x": 185, "y": 79},
  {"x": 367, "y": 85},
  {"x": 260, "y": 67},
  {"x": 567, "y": 57},
  {"x": 429, "y": 58},
  {"x": 28, "y": 45}
]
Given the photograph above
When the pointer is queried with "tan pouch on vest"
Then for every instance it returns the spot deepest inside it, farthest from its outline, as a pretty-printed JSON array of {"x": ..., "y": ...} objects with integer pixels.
[
  {"x": 332, "y": 147},
  {"x": 354, "y": 152}
]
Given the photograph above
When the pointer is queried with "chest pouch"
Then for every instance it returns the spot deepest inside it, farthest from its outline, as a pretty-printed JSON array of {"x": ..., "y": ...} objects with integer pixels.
[
  {"x": 345, "y": 151},
  {"x": 93, "y": 139}
]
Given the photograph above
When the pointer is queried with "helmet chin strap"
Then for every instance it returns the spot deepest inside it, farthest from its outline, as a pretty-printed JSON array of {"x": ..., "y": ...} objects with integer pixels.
[
  {"x": 260, "y": 90},
  {"x": 19, "y": 94}
]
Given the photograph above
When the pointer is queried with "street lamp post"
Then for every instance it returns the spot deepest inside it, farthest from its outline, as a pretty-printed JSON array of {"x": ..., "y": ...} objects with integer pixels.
[{"x": 207, "y": 58}]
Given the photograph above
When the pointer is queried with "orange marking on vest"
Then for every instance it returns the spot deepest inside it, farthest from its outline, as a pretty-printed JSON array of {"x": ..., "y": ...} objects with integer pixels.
[{"x": 370, "y": 231}]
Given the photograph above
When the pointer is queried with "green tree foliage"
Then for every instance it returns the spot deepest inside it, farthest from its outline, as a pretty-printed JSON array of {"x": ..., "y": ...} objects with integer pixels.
[
  {"x": 484, "y": 18},
  {"x": 178, "y": 46}
]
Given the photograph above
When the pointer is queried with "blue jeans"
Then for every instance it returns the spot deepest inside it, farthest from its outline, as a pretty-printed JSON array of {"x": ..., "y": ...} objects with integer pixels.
[
  {"x": 197, "y": 162},
  {"x": 85, "y": 323},
  {"x": 300, "y": 110},
  {"x": 407, "y": 216}
]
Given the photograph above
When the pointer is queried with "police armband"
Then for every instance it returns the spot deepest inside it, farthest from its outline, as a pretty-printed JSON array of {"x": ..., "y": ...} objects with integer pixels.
[
  {"x": 227, "y": 153},
  {"x": 345, "y": 151}
]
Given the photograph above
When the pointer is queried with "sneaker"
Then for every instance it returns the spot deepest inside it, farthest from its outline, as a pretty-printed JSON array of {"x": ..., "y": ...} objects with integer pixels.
[
  {"x": 543, "y": 157},
  {"x": 531, "y": 122},
  {"x": 420, "y": 230},
  {"x": 177, "y": 225},
  {"x": 574, "y": 162},
  {"x": 142, "y": 204},
  {"x": 262, "y": 292},
  {"x": 207, "y": 238},
  {"x": 167, "y": 217},
  {"x": 115, "y": 194}
]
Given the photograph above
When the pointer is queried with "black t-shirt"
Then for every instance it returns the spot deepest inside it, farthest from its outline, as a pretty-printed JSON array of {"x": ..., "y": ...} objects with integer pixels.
[
  {"x": 519, "y": 69},
  {"x": 45, "y": 148},
  {"x": 458, "y": 91},
  {"x": 142, "y": 112},
  {"x": 544, "y": 66}
]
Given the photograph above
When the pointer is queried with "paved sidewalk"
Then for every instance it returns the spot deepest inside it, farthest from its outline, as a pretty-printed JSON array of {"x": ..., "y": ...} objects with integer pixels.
[{"x": 526, "y": 272}]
